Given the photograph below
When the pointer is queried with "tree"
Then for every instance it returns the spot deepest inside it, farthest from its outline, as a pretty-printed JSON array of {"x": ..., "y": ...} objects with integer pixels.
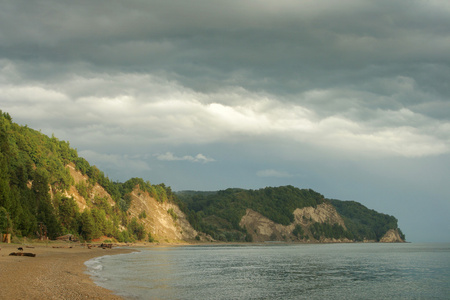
[
  {"x": 69, "y": 214},
  {"x": 87, "y": 230},
  {"x": 136, "y": 229},
  {"x": 44, "y": 208},
  {"x": 5, "y": 221},
  {"x": 298, "y": 231}
]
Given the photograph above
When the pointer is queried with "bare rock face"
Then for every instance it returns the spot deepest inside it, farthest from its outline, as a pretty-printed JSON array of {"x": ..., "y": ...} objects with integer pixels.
[
  {"x": 94, "y": 191},
  {"x": 392, "y": 236},
  {"x": 322, "y": 213},
  {"x": 158, "y": 221},
  {"x": 263, "y": 229}
]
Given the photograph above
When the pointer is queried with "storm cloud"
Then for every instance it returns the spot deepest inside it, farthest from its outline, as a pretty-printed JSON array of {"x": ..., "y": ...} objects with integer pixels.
[{"x": 350, "y": 98}]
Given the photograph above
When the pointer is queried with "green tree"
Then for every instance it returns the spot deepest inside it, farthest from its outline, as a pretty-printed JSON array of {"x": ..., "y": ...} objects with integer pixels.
[
  {"x": 69, "y": 214},
  {"x": 5, "y": 221},
  {"x": 298, "y": 231},
  {"x": 136, "y": 229},
  {"x": 88, "y": 230}
]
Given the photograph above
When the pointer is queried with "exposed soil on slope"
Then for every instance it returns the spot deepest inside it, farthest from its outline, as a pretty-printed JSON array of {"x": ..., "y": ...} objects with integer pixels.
[
  {"x": 158, "y": 221},
  {"x": 263, "y": 229}
]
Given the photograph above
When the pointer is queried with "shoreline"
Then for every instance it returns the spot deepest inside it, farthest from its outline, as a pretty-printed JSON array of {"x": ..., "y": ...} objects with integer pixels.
[{"x": 57, "y": 272}]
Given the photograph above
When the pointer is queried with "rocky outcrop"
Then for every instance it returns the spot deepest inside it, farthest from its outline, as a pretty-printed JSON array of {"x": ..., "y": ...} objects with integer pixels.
[
  {"x": 154, "y": 215},
  {"x": 322, "y": 213},
  {"x": 94, "y": 190},
  {"x": 392, "y": 236},
  {"x": 263, "y": 229},
  {"x": 157, "y": 220}
]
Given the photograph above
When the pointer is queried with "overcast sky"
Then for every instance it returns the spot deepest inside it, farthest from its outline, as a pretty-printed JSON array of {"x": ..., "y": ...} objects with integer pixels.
[{"x": 350, "y": 98}]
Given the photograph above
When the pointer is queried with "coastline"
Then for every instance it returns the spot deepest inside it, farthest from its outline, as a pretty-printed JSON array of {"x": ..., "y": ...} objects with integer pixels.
[{"x": 57, "y": 272}]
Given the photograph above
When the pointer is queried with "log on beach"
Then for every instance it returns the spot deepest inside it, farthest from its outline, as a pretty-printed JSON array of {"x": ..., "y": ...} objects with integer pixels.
[{"x": 22, "y": 254}]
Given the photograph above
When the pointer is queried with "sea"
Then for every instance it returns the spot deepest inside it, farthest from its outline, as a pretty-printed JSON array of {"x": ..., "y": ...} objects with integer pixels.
[{"x": 278, "y": 271}]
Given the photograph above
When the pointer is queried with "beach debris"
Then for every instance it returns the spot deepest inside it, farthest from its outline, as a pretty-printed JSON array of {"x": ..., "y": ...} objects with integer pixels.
[
  {"x": 106, "y": 246},
  {"x": 67, "y": 238},
  {"x": 6, "y": 238},
  {"x": 42, "y": 233},
  {"x": 20, "y": 249},
  {"x": 61, "y": 246},
  {"x": 22, "y": 254}
]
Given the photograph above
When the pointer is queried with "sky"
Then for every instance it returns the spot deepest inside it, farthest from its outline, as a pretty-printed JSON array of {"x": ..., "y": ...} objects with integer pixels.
[{"x": 349, "y": 98}]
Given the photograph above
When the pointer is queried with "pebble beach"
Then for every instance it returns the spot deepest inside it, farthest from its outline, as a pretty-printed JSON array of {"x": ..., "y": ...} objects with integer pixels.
[{"x": 56, "y": 272}]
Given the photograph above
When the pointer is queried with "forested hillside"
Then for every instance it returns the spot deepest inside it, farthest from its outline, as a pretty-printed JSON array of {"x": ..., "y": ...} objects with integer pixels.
[
  {"x": 365, "y": 223},
  {"x": 219, "y": 214},
  {"x": 34, "y": 185},
  {"x": 47, "y": 190}
]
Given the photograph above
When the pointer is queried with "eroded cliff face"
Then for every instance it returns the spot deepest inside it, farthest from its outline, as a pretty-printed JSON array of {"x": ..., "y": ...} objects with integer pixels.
[
  {"x": 263, "y": 229},
  {"x": 322, "y": 213},
  {"x": 392, "y": 236},
  {"x": 165, "y": 228},
  {"x": 158, "y": 221},
  {"x": 93, "y": 191}
]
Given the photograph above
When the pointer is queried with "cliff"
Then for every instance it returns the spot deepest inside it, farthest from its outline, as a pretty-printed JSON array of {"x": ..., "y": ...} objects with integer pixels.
[
  {"x": 285, "y": 214},
  {"x": 165, "y": 221},
  {"x": 94, "y": 191},
  {"x": 263, "y": 229},
  {"x": 392, "y": 236}
]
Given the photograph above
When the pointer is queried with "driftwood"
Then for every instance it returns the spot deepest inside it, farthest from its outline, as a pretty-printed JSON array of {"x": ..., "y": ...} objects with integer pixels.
[
  {"x": 22, "y": 254},
  {"x": 67, "y": 238},
  {"x": 104, "y": 246}
]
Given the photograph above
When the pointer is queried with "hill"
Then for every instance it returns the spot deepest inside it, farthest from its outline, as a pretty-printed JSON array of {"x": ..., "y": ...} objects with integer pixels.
[
  {"x": 284, "y": 214},
  {"x": 47, "y": 190}
]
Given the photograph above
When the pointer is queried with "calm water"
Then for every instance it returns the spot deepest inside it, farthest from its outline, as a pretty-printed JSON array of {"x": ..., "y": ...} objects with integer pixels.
[{"x": 274, "y": 271}]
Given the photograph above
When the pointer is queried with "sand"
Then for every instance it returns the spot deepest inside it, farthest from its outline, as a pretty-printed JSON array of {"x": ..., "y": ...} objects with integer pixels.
[{"x": 55, "y": 273}]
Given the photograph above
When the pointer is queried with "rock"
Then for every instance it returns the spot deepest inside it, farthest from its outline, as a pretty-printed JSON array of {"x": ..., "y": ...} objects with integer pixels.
[
  {"x": 392, "y": 236},
  {"x": 263, "y": 229}
]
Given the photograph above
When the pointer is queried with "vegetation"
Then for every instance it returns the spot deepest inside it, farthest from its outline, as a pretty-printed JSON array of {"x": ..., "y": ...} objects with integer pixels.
[
  {"x": 298, "y": 231},
  {"x": 34, "y": 179},
  {"x": 172, "y": 213},
  {"x": 143, "y": 215},
  {"x": 364, "y": 223},
  {"x": 326, "y": 230},
  {"x": 219, "y": 213}
]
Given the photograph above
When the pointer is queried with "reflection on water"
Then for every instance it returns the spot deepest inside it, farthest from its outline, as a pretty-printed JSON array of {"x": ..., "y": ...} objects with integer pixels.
[{"x": 369, "y": 271}]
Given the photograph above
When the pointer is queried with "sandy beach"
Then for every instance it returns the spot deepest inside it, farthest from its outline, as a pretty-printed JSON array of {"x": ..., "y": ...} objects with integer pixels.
[{"x": 56, "y": 272}]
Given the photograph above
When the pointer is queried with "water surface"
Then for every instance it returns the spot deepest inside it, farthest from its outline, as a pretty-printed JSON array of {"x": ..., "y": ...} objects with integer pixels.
[{"x": 279, "y": 271}]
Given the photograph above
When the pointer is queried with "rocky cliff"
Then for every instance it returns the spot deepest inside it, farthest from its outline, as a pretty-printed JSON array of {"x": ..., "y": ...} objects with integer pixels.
[
  {"x": 93, "y": 191},
  {"x": 263, "y": 229},
  {"x": 392, "y": 236},
  {"x": 164, "y": 220}
]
